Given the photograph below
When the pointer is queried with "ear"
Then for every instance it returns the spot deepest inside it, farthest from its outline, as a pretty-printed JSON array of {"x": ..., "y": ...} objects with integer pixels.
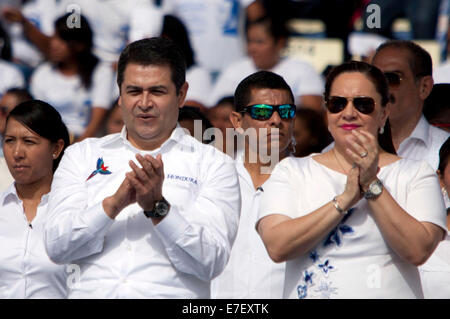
[
  {"x": 57, "y": 148},
  {"x": 236, "y": 120},
  {"x": 426, "y": 85},
  {"x": 182, "y": 94}
]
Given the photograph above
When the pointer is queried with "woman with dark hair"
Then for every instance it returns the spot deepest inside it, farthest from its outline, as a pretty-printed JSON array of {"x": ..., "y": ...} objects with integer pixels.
[
  {"x": 74, "y": 80},
  {"x": 198, "y": 78},
  {"x": 266, "y": 40},
  {"x": 34, "y": 142},
  {"x": 356, "y": 221}
]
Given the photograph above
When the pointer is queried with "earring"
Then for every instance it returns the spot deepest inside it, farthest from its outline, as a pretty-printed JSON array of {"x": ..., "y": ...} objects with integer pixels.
[
  {"x": 54, "y": 155},
  {"x": 382, "y": 129}
]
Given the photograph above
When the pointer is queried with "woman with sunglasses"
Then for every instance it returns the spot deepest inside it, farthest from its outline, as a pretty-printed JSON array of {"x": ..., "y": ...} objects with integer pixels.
[
  {"x": 34, "y": 142},
  {"x": 356, "y": 221}
]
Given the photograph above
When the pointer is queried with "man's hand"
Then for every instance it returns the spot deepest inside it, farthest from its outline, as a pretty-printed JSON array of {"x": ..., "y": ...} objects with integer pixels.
[
  {"x": 147, "y": 181},
  {"x": 124, "y": 196}
]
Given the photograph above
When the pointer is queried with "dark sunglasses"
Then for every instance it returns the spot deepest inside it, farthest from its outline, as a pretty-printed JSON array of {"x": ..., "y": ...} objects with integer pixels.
[
  {"x": 264, "y": 112},
  {"x": 363, "y": 104},
  {"x": 394, "y": 79}
]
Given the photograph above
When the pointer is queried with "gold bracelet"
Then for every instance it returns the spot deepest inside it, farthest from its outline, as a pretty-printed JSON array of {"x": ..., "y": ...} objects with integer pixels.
[{"x": 338, "y": 208}]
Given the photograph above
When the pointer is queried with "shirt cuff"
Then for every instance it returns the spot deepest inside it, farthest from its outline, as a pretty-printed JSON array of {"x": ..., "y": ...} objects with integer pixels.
[
  {"x": 97, "y": 220},
  {"x": 171, "y": 228}
]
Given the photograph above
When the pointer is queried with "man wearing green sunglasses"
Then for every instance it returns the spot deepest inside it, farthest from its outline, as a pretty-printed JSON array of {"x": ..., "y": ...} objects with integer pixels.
[{"x": 264, "y": 118}]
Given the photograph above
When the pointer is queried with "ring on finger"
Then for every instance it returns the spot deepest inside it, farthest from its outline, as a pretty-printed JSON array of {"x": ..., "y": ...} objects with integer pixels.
[{"x": 363, "y": 154}]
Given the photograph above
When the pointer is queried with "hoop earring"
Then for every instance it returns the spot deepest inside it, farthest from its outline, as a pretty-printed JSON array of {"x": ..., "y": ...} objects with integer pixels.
[{"x": 292, "y": 145}]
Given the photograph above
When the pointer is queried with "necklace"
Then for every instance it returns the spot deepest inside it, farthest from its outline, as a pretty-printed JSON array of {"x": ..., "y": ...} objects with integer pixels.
[{"x": 339, "y": 163}]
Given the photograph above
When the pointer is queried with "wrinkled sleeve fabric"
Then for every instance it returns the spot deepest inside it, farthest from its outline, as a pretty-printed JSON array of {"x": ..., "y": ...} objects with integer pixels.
[
  {"x": 74, "y": 229},
  {"x": 198, "y": 238}
]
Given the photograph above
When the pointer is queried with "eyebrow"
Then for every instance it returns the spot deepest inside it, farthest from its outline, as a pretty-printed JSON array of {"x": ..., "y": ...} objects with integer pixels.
[{"x": 140, "y": 88}]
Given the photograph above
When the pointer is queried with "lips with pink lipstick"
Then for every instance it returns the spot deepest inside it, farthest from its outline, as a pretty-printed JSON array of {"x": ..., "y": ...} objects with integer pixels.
[{"x": 349, "y": 127}]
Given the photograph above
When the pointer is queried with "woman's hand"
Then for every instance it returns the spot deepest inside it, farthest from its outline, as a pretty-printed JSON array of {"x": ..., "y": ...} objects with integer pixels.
[
  {"x": 364, "y": 152},
  {"x": 352, "y": 193}
]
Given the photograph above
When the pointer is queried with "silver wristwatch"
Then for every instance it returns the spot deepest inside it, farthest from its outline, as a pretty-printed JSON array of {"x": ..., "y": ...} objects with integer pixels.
[
  {"x": 375, "y": 190},
  {"x": 160, "y": 210}
]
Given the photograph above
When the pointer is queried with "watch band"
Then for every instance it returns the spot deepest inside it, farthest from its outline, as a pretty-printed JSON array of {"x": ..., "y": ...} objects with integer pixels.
[{"x": 160, "y": 209}]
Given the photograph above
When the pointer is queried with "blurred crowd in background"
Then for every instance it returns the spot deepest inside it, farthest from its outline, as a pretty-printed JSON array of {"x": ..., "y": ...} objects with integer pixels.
[{"x": 65, "y": 52}]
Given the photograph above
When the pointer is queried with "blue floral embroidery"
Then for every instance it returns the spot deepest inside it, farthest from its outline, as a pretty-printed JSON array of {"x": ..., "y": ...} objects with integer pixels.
[
  {"x": 302, "y": 291},
  {"x": 326, "y": 267},
  {"x": 308, "y": 277},
  {"x": 325, "y": 289},
  {"x": 333, "y": 236},
  {"x": 314, "y": 256}
]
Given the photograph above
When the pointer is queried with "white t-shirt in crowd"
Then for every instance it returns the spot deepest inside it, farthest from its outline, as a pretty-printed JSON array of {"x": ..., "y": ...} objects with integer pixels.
[
  {"x": 10, "y": 77},
  {"x": 299, "y": 75},
  {"x": 199, "y": 81},
  {"x": 353, "y": 260},
  {"x": 250, "y": 273},
  {"x": 129, "y": 257},
  {"x": 5, "y": 176},
  {"x": 441, "y": 74},
  {"x": 215, "y": 29},
  {"x": 25, "y": 269},
  {"x": 67, "y": 94}
]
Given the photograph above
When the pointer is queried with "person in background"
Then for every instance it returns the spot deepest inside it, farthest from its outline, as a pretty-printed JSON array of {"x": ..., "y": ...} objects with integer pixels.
[
  {"x": 437, "y": 106},
  {"x": 188, "y": 117},
  {"x": 264, "y": 105},
  {"x": 150, "y": 212},
  {"x": 74, "y": 81},
  {"x": 219, "y": 116},
  {"x": 34, "y": 142},
  {"x": 408, "y": 68},
  {"x": 198, "y": 77},
  {"x": 310, "y": 133},
  {"x": 114, "y": 121},
  {"x": 266, "y": 39},
  {"x": 435, "y": 273},
  {"x": 356, "y": 221},
  {"x": 8, "y": 101}
]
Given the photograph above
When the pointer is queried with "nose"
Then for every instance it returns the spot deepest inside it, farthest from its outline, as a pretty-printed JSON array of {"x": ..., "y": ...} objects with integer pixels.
[
  {"x": 275, "y": 119},
  {"x": 145, "y": 102},
  {"x": 349, "y": 112},
  {"x": 18, "y": 151}
]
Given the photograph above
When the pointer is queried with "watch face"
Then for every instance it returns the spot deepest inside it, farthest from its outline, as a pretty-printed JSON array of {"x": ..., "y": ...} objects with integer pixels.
[
  {"x": 161, "y": 208},
  {"x": 376, "y": 188}
]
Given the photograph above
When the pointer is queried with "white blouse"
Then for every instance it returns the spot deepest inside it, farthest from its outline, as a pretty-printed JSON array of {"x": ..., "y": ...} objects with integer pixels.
[
  {"x": 25, "y": 269},
  {"x": 353, "y": 261}
]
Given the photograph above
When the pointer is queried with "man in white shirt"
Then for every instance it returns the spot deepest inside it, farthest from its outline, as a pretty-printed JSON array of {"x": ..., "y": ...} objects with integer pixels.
[
  {"x": 251, "y": 273},
  {"x": 149, "y": 212},
  {"x": 408, "y": 69}
]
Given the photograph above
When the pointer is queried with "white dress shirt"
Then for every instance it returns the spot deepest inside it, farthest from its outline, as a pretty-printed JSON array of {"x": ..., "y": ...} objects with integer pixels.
[
  {"x": 424, "y": 143},
  {"x": 25, "y": 269},
  {"x": 353, "y": 260},
  {"x": 129, "y": 257},
  {"x": 250, "y": 273}
]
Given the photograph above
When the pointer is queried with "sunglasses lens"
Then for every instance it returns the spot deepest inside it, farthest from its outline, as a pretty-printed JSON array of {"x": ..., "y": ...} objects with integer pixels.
[
  {"x": 365, "y": 105},
  {"x": 286, "y": 111},
  {"x": 392, "y": 78},
  {"x": 261, "y": 112},
  {"x": 336, "y": 104}
]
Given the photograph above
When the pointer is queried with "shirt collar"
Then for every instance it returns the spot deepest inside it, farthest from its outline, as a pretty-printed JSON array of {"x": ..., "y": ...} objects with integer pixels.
[
  {"x": 422, "y": 131},
  {"x": 177, "y": 136},
  {"x": 10, "y": 194}
]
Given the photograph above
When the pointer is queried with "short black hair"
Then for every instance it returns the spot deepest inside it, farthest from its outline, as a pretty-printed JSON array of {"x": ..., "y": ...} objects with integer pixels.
[
  {"x": 21, "y": 94},
  {"x": 275, "y": 26},
  {"x": 44, "y": 120},
  {"x": 154, "y": 51},
  {"x": 258, "y": 80},
  {"x": 419, "y": 60}
]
